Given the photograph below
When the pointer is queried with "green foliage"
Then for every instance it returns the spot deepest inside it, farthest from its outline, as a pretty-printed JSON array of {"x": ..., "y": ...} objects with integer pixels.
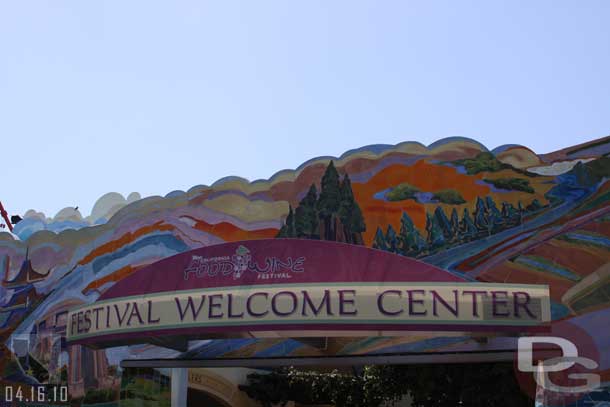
[
  {"x": 269, "y": 389},
  {"x": 443, "y": 232},
  {"x": 310, "y": 387},
  {"x": 435, "y": 232},
  {"x": 379, "y": 242},
  {"x": 349, "y": 211},
  {"x": 31, "y": 364},
  {"x": 330, "y": 195},
  {"x": 495, "y": 220},
  {"x": 444, "y": 223},
  {"x": 483, "y": 162},
  {"x": 467, "y": 230},
  {"x": 100, "y": 396},
  {"x": 144, "y": 389},
  {"x": 333, "y": 215},
  {"x": 591, "y": 173},
  {"x": 289, "y": 229},
  {"x": 63, "y": 374},
  {"x": 449, "y": 196},
  {"x": 534, "y": 206},
  {"x": 511, "y": 184},
  {"x": 391, "y": 240},
  {"x": 411, "y": 242},
  {"x": 512, "y": 214},
  {"x": 401, "y": 192},
  {"x": 473, "y": 385},
  {"x": 481, "y": 215},
  {"x": 306, "y": 215},
  {"x": 599, "y": 168},
  {"x": 455, "y": 223}
]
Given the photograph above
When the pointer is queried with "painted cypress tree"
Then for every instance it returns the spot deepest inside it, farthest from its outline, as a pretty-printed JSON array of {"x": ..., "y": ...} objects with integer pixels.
[
  {"x": 534, "y": 206},
  {"x": 491, "y": 206},
  {"x": 505, "y": 210},
  {"x": 520, "y": 212},
  {"x": 288, "y": 229},
  {"x": 329, "y": 201},
  {"x": 357, "y": 225},
  {"x": 468, "y": 230},
  {"x": 405, "y": 234},
  {"x": 283, "y": 230},
  {"x": 494, "y": 217},
  {"x": 410, "y": 241},
  {"x": 509, "y": 214},
  {"x": 443, "y": 222},
  {"x": 306, "y": 215},
  {"x": 455, "y": 224},
  {"x": 435, "y": 232},
  {"x": 290, "y": 223},
  {"x": 480, "y": 215},
  {"x": 391, "y": 239},
  {"x": 379, "y": 242},
  {"x": 349, "y": 213}
]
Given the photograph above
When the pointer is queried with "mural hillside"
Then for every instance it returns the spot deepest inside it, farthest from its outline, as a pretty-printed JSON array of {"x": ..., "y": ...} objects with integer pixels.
[{"x": 501, "y": 215}]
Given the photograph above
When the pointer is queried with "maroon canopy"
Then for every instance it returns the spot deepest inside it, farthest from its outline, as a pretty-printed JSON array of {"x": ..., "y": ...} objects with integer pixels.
[{"x": 272, "y": 261}]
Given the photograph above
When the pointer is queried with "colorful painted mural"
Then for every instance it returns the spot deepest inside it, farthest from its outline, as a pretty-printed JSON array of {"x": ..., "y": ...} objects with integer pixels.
[{"x": 506, "y": 215}]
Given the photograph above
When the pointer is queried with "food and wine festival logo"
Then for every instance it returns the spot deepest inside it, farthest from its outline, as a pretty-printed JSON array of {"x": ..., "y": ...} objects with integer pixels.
[{"x": 242, "y": 262}]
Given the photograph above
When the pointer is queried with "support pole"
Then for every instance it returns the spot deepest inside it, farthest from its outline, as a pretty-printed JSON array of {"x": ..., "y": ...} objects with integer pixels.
[{"x": 179, "y": 386}]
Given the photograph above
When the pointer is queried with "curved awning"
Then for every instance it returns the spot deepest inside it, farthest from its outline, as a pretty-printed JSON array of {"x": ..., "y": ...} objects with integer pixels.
[{"x": 298, "y": 288}]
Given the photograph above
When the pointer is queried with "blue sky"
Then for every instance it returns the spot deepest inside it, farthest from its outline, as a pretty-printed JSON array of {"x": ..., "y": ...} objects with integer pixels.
[{"x": 156, "y": 96}]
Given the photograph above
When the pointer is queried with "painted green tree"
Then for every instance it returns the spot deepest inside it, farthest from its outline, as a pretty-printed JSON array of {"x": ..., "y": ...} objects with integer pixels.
[
  {"x": 443, "y": 222},
  {"x": 288, "y": 229},
  {"x": 329, "y": 202},
  {"x": 391, "y": 240},
  {"x": 435, "y": 236},
  {"x": 306, "y": 215},
  {"x": 455, "y": 225},
  {"x": 494, "y": 216},
  {"x": 443, "y": 232},
  {"x": 534, "y": 206},
  {"x": 350, "y": 214},
  {"x": 410, "y": 241},
  {"x": 468, "y": 230},
  {"x": 379, "y": 241},
  {"x": 334, "y": 214},
  {"x": 480, "y": 215},
  {"x": 520, "y": 210}
]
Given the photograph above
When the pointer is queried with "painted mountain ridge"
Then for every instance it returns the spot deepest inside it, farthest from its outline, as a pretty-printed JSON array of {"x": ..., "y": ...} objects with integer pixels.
[{"x": 506, "y": 215}]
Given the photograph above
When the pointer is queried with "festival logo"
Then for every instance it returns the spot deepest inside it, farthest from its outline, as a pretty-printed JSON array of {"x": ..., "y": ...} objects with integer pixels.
[
  {"x": 241, "y": 262},
  {"x": 241, "y": 259}
]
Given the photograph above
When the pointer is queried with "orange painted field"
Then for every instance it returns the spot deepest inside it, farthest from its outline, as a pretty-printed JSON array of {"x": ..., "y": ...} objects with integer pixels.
[
  {"x": 229, "y": 232},
  {"x": 429, "y": 177}
]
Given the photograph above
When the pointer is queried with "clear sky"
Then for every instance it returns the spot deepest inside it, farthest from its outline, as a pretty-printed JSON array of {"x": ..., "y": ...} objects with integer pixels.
[{"x": 147, "y": 96}]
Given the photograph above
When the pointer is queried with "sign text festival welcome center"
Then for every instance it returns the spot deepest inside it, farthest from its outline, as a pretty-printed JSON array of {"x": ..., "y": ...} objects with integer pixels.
[{"x": 357, "y": 304}]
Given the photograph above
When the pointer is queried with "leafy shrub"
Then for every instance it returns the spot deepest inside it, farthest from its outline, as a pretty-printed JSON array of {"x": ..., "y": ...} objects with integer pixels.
[
  {"x": 482, "y": 162},
  {"x": 449, "y": 196},
  {"x": 94, "y": 396},
  {"x": 473, "y": 385},
  {"x": 511, "y": 184},
  {"x": 401, "y": 192}
]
